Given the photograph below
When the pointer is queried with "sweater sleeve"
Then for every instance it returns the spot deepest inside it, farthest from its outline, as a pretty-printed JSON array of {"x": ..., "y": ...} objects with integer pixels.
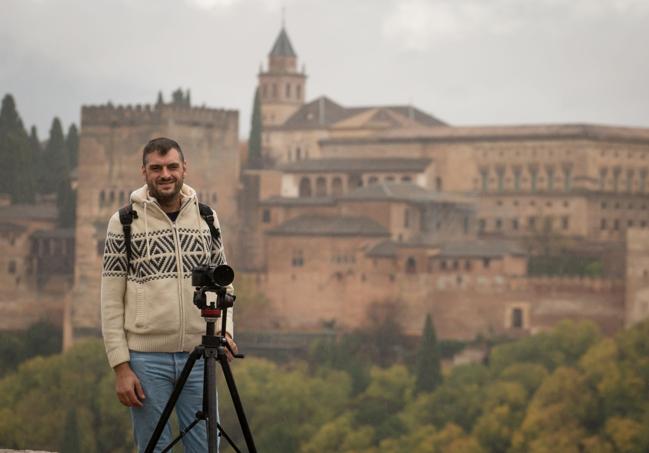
[
  {"x": 113, "y": 288},
  {"x": 218, "y": 257}
]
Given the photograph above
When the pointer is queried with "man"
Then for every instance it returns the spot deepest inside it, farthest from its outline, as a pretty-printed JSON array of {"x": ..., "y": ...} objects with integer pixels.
[{"x": 149, "y": 321}]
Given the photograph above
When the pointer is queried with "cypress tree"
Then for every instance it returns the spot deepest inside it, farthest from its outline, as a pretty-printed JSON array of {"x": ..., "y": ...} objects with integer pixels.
[
  {"x": 15, "y": 153},
  {"x": 254, "y": 139},
  {"x": 70, "y": 443},
  {"x": 160, "y": 100},
  {"x": 428, "y": 371},
  {"x": 55, "y": 159},
  {"x": 72, "y": 145}
]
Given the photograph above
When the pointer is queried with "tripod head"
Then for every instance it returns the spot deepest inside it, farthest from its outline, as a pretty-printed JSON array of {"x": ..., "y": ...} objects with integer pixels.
[{"x": 212, "y": 279}]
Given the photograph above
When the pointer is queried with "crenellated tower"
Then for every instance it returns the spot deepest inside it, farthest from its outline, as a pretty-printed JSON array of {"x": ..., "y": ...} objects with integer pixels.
[{"x": 281, "y": 86}]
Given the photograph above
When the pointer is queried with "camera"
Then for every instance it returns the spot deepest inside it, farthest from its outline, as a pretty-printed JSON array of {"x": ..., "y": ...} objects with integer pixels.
[{"x": 212, "y": 276}]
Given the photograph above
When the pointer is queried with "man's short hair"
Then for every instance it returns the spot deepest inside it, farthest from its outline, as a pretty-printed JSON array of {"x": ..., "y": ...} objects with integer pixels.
[{"x": 161, "y": 145}]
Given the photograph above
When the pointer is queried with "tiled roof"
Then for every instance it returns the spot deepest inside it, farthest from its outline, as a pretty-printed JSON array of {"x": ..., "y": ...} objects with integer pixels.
[
  {"x": 481, "y": 248},
  {"x": 314, "y": 225},
  {"x": 452, "y": 134},
  {"x": 298, "y": 201},
  {"x": 282, "y": 46},
  {"x": 457, "y": 249},
  {"x": 385, "y": 249},
  {"x": 323, "y": 112},
  {"x": 42, "y": 211},
  {"x": 405, "y": 192},
  {"x": 347, "y": 165},
  {"x": 59, "y": 233}
]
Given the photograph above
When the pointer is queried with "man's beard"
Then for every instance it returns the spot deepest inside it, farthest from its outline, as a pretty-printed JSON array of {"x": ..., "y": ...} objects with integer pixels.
[{"x": 165, "y": 197}]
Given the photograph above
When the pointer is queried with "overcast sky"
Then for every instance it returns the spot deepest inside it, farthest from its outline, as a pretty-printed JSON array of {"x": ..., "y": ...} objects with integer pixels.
[{"x": 478, "y": 62}]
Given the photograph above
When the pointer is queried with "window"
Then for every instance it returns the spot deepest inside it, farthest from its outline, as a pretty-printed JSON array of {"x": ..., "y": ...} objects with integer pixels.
[
  {"x": 11, "y": 268},
  {"x": 500, "y": 173},
  {"x": 321, "y": 187},
  {"x": 484, "y": 173},
  {"x": 466, "y": 225},
  {"x": 438, "y": 184},
  {"x": 616, "y": 179},
  {"x": 499, "y": 224},
  {"x": 515, "y": 224},
  {"x": 406, "y": 179},
  {"x": 565, "y": 222},
  {"x": 337, "y": 187},
  {"x": 406, "y": 218},
  {"x": 517, "y": 318},
  {"x": 265, "y": 216},
  {"x": 101, "y": 244},
  {"x": 550, "y": 173},
  {"x": 298, "y": 91},
  {"x": 486, "y": 262},
  {"x": 482, "y": 225},
  {"x": 567, "y": 179},
  {"x": 467, "y": 265},
  {"x": 517, "y": 179},
  {"x": 534, "y": 173},
  {"x": 629, "y": 181},
  {"x": 305, "y": 187},
  {"x": 531, "y": 223},
  {"x": 602, "y": 224},
  {"x": 298, "y": 259},
  {"x": 102, "y": 198},
  {"x": 602, "y": 178},
  {"x": 411, "y": 265},
  {"x": 288, "y": 90}
]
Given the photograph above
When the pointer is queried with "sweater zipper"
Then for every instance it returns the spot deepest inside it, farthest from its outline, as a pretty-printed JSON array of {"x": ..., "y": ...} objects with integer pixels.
[
  {"x": 181, "y": 278},
  {"x": 179, "y": 266}
]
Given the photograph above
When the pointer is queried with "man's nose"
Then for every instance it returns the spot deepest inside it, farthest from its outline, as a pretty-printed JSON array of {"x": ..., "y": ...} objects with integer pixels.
[{"x": 165, "y": 172}]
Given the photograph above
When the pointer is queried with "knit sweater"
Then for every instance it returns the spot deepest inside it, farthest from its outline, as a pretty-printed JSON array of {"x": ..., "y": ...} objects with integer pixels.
[{"x": 149, "y": 306}]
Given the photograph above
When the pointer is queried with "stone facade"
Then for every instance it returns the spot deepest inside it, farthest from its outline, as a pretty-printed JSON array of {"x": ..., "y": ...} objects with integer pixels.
[
  {"x": 110, "y": 161},
  {"x": 37, "y": 262},
  {"x": 581, "y": 185}
]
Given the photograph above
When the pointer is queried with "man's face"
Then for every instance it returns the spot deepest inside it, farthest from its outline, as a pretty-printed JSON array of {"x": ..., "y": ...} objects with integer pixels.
[{"x": 164, "y": 175}]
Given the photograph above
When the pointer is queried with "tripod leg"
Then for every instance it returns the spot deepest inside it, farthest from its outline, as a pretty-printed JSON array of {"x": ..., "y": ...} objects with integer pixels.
[
  {"x": 166, "y": 413},
  {"x": 212, "y": 409},
  {"x": 234, "y": 394}
]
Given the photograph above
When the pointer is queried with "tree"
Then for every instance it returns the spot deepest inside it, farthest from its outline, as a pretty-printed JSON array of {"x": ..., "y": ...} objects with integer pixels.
[
  {"x": 15, "y": 151},
  {"x": 55, "y": 159},
  {"x": 37, "y": 159},
  {"x": 72, "y": 145},
  {"x": 428, "y": 371},
  {"x": 70, "y": 443},
  {"x": 254, "y": 139}
]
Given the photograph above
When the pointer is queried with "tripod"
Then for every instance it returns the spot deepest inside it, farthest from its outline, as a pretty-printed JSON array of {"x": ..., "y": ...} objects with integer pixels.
[{"x": 212, "y": 349}]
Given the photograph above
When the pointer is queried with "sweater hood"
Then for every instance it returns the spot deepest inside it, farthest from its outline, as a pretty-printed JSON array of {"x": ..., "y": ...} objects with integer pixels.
[{"x": 142, "y": 196}]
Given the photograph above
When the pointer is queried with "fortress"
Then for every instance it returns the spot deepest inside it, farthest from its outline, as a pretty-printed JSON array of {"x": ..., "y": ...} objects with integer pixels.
[{"x": 494, "y": 230}]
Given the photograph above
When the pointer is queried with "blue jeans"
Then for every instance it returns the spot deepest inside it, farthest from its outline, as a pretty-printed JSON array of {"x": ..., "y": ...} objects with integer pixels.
[{"x": 158, "y": 372}]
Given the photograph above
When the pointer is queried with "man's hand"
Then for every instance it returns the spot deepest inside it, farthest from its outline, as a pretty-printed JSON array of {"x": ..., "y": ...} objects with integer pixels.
[
  {"x": 233, "y": 346},
  {"x": 127, "y": 385}
]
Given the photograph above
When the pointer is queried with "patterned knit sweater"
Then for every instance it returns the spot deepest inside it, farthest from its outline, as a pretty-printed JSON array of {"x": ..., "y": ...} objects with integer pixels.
[{"x": 149, "y": 306}]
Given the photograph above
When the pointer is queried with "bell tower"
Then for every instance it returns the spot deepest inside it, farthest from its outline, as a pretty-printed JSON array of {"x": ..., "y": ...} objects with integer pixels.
[{"x": 281, "y": 86}]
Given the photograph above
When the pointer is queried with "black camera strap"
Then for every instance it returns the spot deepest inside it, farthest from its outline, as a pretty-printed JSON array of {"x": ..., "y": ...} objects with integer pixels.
[{"x": 127, "y": 214}]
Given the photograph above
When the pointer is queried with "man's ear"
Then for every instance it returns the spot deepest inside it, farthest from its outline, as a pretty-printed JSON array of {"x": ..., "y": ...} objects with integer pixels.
[{"x": 143, "y": 170}]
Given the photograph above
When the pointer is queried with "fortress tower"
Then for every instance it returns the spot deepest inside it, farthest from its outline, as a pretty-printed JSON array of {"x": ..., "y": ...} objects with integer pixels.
[
  {"x": 110, "y": 161},
  {"x": 281, "y": 86}
]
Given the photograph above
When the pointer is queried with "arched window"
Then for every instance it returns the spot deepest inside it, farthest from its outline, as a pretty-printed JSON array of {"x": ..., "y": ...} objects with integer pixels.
[
  {"x": 337, "y": 187},
  {"x": 102, "y": 198},
  {"x": 111, "y": 197},
  {"x": 305, "y": 187},
  {"x": 411, "y": 265},
  {"x": 484, "y": 174},
  {"x": 122, "y": 197},
  {"x": 517, "y": 318},
  {"x": 321, "y": 187},
  {"x": 298, "y": 91},
  {"x": 288, "y": 90},
  {"x": 372, "y": 180}
]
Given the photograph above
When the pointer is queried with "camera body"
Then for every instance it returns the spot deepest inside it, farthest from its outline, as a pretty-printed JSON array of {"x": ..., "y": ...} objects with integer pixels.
[{"x": 213, "y": 279}]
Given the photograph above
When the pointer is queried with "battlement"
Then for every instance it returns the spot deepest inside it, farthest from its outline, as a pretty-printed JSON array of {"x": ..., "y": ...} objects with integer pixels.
[
  {"x": 109, "y": 115},
  {"x": 567, "y": 284}
]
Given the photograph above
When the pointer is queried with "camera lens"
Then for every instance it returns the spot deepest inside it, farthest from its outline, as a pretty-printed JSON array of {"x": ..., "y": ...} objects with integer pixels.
[{"x": 223, "y": 275}]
